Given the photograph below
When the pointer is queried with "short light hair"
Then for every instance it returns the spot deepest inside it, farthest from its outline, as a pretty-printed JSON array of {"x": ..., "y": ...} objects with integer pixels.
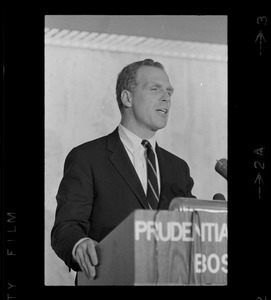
[{"x": 127, "y": 77}]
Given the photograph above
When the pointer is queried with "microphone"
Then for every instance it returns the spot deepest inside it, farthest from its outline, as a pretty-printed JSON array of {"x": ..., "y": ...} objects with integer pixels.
[
  {"x": 219, "y": 196},
  {"x": 221, "y": 167}
]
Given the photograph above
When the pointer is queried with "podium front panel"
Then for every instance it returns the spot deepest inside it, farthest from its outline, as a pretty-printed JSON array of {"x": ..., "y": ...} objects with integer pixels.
[
  {"x": 164, "y": 248},
  {"x": 181, "y": 248}
]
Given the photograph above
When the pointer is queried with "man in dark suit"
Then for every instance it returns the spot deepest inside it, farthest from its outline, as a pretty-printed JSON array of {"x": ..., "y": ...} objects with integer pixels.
[{"x": 105, "y": 180}]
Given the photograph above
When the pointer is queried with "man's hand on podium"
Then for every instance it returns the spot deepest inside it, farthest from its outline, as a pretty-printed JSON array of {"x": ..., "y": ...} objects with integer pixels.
[{"x": 86, "y": 257}]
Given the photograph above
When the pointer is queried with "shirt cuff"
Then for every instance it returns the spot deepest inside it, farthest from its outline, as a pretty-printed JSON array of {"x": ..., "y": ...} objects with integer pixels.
[{"x": 75, "y": 246}]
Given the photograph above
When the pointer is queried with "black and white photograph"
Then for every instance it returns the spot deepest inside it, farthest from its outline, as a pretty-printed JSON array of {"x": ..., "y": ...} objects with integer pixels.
[
  {"x": 112, "y": 82},
  {"x": 135, "y": 154}
]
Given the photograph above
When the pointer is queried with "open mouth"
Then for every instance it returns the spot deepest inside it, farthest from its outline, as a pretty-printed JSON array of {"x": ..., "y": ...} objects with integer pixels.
[{"x": 163, "y": 111}]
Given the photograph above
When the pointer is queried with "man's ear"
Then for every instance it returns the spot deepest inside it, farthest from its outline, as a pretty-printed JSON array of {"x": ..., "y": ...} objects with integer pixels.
[{"x": 126, "y": 98}]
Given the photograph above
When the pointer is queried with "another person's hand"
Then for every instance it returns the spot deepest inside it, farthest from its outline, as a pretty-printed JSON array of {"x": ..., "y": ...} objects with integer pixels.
[{"x": 86, "y": 256}]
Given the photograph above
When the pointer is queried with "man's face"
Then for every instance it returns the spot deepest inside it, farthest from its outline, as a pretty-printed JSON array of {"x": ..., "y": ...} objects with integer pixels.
[{"x": 151, "y": 99}]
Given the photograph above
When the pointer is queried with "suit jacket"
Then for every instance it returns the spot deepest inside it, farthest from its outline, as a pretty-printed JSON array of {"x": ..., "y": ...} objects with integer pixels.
[{"x": 100, "y": 188}]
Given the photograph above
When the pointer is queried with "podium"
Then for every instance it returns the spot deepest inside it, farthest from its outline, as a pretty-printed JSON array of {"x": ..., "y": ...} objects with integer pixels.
[{"x": 186, "y": 245}]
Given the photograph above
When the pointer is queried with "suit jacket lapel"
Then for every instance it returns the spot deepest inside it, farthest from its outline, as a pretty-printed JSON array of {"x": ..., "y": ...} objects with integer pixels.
[
  {"x": 122, "y": 163},
  {"x": 164, "y": 170}
]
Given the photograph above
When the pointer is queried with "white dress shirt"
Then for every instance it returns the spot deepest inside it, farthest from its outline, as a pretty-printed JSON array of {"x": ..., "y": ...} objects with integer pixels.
[{"x": 137, "y": 154}]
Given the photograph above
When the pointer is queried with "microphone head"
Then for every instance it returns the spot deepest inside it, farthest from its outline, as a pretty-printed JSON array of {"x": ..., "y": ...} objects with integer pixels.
[
  {"x": 221, "y": 167},
  {"x": 219, "y": 196}
]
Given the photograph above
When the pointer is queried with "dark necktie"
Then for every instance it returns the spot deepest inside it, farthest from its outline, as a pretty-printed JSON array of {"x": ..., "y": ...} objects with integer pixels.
[{"x": 152, "y": 188}]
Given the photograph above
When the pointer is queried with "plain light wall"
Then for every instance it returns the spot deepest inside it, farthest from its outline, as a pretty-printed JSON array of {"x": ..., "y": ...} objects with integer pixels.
[{"x": 80, "y": 105}]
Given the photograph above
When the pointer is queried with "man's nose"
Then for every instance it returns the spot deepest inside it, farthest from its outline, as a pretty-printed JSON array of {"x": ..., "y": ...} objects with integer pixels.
[{"x": 166, "y": 96}]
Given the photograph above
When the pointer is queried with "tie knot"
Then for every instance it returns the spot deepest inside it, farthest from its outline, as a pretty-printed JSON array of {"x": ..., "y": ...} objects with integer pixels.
[{"x": 146, "y": 144}]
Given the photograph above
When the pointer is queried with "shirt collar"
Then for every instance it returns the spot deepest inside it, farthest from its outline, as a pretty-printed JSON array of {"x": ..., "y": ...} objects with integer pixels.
[
  {"x": 152, "y": 141},
  {"x": 131, "y": 140}
]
